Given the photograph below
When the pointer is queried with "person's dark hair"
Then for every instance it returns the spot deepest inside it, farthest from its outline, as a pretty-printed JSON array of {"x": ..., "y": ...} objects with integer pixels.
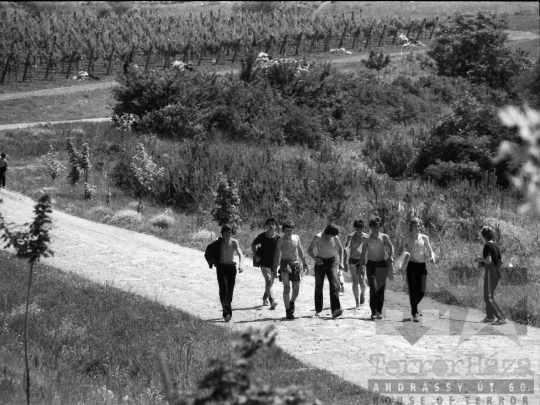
[
  {"x": 374, "y": 221},
  {"x": 271, "y": 219},
  {"x": 358, "y": 223},
  {"x": 331, "y": 230},
  {"x": 226, "y": 228},
  {"x": 416, "y": 221},
  {"x": 487, "y": 232},
  {"x": 287, "y": 224},
  {"x": 3, "y": 155}
]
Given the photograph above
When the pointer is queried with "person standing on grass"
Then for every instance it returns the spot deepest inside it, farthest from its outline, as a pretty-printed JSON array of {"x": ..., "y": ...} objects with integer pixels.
[
  {"x": 491, "y": 260},
  {"x": 289, "y": 248},
  {"x": 353, "y": 263},
  {"x": 376, "y": 267},
  {"x": 328, "y": 246},
  {"x": 416, "y": 244},
  {"x": 3, "y": 169},
  {"x": 264, "y": 257},
  {"x": 221, "y": 254}
]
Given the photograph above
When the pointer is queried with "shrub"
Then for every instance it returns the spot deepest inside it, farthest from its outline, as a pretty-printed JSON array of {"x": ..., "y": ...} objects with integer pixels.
[
  {"x": 100, "y": 212},
  {"x": 126, "y": 216},
  {"x": 164, "y": 220},
  {"x": 445, "y": 173}
]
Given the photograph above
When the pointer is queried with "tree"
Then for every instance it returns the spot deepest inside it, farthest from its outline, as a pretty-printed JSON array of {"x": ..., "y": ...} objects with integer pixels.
[
  {"x": 226, "y": 202},
  {"x": 31, "y": 245},
  {"x": 473, "y": 46},
  {"x": 377, "y": 62},
  {"x": 145, "y": 172}
]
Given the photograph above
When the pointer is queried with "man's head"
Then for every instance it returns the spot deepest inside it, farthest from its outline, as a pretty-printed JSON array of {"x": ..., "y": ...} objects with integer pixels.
[
  {"x": 374, "y": 224},
  {"x": 3, "y": 155},
  {"x": 487, "y": 233},
  {"x": 416, "y": 222},
  {"x": 331, "y": 231},
  {"x": 288, "y": 226},
  {"x": 358, "y": 224},
  {"x": 270, "y": 223},
  {"x": 226, "y": 230}
]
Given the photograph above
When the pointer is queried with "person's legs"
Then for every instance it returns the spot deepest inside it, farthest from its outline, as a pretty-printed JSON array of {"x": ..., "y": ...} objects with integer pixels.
[
  {"x": 231, "y": 282},
  {"x": 381, "y": 274},
  {"x": 355, "y": 283},
  {"x": 341, "y": 281},
  {"x": 372, "y": 282},
  {"x": 319, "y": 284},
  {"x": 294, "y": 295},
  {"x": 3, "y": 179},
  {"x": 414, "y": 280},
  {"x": 494, "y": 279},
  {"x": 286, "y": 289},
  {"x": 223, "y": 290},
  {"x": 333, "y": 281},
  {"x": 490, "y": 311},
  {"x": 268, "y": 279},
  {"x": 362, "y": 280}
]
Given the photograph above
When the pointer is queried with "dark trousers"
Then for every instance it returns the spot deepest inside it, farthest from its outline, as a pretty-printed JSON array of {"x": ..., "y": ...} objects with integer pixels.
[
  {"x": 376, "y": 273},
  {"x": 328, "y": 269},
  {"x": 491, "y": 280},
  {"x": 2, "y": 178},
  {"x": 226, "y": 276},
  {"x": 416, "y": 278}
]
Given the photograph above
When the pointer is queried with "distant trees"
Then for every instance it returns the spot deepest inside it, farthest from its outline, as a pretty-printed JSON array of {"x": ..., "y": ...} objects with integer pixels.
[
  {"x": 473, "y": 46},
  {"x": 376, "y": 61}
]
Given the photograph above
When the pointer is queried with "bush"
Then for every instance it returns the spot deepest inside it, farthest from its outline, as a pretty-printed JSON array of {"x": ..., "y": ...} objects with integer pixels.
[
  {"x": 445, "y": 173},
  {"x": 164, "y": 220},
  {"x": 126, "y": 216},
  {"x": 100, "y": 212}
]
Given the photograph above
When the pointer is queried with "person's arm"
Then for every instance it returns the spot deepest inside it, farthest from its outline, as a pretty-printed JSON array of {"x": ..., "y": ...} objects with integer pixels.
[
  {"x": 340, "y": 251},
  {"x": 486, "y": 253},
  {"x": 239, "y": 253},
  {"x": 276, "y": 255},
  {"x": 431, "y": 252},
  {"x": 402, "y": 246},
  {"x": 346, "y": 257},
  {"x": 311, "y": 248},
  {"x": 390, "y": 247},
  {"x": 302, "y": 255},
  {"x": 364, "y": 251},
  {"x": 254, "y": 249}
]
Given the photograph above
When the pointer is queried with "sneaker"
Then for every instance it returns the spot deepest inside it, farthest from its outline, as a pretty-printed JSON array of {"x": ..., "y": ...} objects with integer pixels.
[
  {"x": 358, "y": 305},
  {"x": 265, "y": 303},
  {"x": 273, "y": 305},
  {"x": 415, "y": 318},
  {"x": 500, "y": 322},
  {"x": 488, "y": 320},
  {"x": 292, "y": 307},
  {"x": 289, "y": 314},
  {"x": 337, "y": 313},
  {"x": 317, "y": 314},
  {"x": 362, "y": 299},
  {"x": 227, "y": 318},
  {"x": 373, "y": 317},
  {"x": 379, "y": 316}
]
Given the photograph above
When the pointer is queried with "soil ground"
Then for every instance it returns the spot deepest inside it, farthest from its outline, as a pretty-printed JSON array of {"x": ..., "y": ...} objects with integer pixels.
[{"x": 450, "y": 343}]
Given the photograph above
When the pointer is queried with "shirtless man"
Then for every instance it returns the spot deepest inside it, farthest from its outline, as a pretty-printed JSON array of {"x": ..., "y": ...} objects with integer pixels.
[
  {"x": 416, "y": 243},
  {"x": 328, "y": 246},
  {"x": 376, "y": 266},
  {"x": 358, "y": 272},
  {"x": 221, "y": 254},
  {"x": 289, "y": 248}
]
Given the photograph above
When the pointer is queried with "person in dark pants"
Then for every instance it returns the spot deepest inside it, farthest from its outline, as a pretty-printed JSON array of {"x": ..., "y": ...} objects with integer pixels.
[
  {"x": 376, "y": 266},
  {"x": 221, "y": 254},
  {"x": 491, "y": 260},
  {"x": 416, "y": 243},
  {"x": 3, "y": 169},
  {"x": 263, "y": 257},
  {"x": 328, "y": 246}
]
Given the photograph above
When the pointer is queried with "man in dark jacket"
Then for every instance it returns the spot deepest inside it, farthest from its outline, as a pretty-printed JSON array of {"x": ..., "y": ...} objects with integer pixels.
[{"x": 220, "y": 253}]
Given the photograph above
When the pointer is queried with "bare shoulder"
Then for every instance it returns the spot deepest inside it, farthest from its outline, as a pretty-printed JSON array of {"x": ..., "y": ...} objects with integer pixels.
[
  {"x": 234, "y": 242},
  {"x": 425, "y": 237}
]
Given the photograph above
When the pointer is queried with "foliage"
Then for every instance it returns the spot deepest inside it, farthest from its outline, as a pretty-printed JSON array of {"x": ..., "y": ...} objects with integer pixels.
[
  {"x": 468, "y": 137},
  {"x": 53, "y": 165},
  {"x": 145, "y": 173},
  {"x": 527, "y": 154},
  {"x": 226, "y": 202},
  {"x": 31, "y": 245},
  {"x": 376, "y": 62},
  {"x": 473, "y": 46},
  {"x": 164, "y": 220},
  {"x": 528, "y": 84},
  {"x": 74, "y": 159}
]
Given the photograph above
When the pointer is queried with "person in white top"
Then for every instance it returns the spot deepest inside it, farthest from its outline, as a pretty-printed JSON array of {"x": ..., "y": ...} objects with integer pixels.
[
  {"x": 358, "y": 271},
  {"x": 416, "y": 244}
]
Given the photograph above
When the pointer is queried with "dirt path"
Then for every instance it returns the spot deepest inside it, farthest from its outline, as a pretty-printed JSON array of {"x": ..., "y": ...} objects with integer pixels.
[
  {"x": 33, "y": 124},
  {"x": 352, "y": 346}
]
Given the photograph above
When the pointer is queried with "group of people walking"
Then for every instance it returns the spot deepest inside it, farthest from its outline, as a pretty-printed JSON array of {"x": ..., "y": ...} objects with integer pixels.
[{"x": 369, "y": 257}]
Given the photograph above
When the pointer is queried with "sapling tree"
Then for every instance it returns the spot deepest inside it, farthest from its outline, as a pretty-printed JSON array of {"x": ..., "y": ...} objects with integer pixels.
[
  {"x": 226, "y": 202},
  {"x": 53, "y": 165},
  {"x": 79, "y": 162},
  {"x": 74, "y": 157},
  {"x": 32, "y": 245},
  {"x": 145, "y": 172},
  {"x": 377, "y": 62}
]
